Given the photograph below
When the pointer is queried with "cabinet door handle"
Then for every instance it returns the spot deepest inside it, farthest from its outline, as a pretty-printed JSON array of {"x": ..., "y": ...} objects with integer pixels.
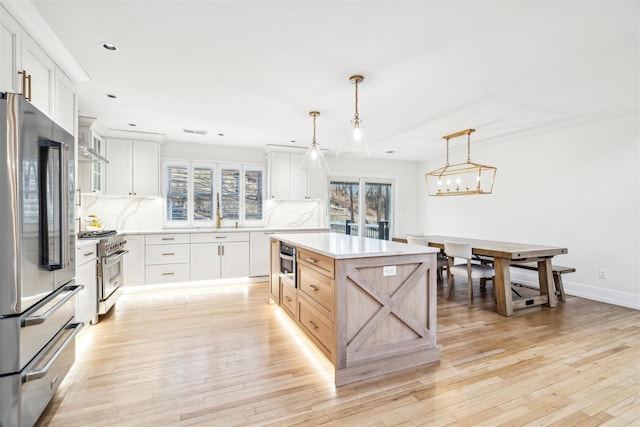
[
  {"x": 168, "y": 238},
  {"x": 313, "y": 325},
  {"x": 312, "y": 260},
  {"x": 88, "y": 254},
  {"x": 221, "y": 237},
  {"x": 26, "y": 84},
  {"x": 314, "y": 287},
  {"x": 168, "y": 274},
  {"x": 222, "y": 246},
  {"x": 288, "y": 298},
  {"x": 168, "y": 254}
]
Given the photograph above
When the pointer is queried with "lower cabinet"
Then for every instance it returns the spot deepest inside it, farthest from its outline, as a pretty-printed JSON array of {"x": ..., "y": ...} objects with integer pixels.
[
  {"x": 167, "y": 258},
  {"x": 87, "y": 302},
  {"x": 219, "y": 255},
  {"x": 134, "y": 262}
]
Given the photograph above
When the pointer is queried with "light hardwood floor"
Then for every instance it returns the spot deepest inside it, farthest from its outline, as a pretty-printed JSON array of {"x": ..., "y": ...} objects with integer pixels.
[{"x": 221, "y": 356}]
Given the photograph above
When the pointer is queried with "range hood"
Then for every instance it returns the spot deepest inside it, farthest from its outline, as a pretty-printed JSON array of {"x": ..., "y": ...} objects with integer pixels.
[{"x": 88, "y": 154}]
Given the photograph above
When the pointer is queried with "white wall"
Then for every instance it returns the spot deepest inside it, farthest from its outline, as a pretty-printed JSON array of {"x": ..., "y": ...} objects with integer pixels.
[{"x": 577, "y": 188}]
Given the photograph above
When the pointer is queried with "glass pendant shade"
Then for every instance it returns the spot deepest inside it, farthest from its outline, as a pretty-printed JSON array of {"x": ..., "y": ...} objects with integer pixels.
[
  {"x": 356, "y": 145},
  {"x": 313, "y": 158}
]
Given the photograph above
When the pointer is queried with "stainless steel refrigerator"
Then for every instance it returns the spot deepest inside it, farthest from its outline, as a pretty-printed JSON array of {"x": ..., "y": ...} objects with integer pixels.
[{"x": 37, "y": 260}]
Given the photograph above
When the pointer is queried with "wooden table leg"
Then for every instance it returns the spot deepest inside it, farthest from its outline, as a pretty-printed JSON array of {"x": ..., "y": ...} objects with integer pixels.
[
  {"x": 545, "y": 279},
  {"x": 502, "y": 286}
]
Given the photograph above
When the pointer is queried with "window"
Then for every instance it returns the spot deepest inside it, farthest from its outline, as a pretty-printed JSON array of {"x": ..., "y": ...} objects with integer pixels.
[
  {"x": 346, "y": 196},
  {"x": 194, "y": 192}
]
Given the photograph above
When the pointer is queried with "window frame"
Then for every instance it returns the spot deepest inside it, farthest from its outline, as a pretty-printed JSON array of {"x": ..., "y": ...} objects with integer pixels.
[
  {"x": 362, "y": 181},
  {"x": 217, "y": 168}
]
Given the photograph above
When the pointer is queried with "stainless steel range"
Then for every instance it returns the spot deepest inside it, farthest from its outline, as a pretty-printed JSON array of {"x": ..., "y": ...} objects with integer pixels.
[{"x": 111, "y": 251}]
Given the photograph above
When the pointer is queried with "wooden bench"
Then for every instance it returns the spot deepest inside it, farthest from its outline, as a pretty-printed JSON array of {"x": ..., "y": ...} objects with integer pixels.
[{"x": 558, "y": 271}]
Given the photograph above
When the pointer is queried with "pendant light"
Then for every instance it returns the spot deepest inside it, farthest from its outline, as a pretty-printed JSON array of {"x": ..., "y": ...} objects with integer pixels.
[
  {"x": 356, "y": 145},
  {"x": 313, "y": 158},
  {"x": 461, "y": 179}
]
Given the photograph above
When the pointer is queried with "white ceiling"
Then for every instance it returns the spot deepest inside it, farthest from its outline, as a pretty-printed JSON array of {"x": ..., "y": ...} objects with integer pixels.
[{"x": 253, "y": 70}]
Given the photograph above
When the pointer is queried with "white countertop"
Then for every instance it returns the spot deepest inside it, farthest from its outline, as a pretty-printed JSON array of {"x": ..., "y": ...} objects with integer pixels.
[
  {"x": 224, "y": 230},
  {"x": 341, "y": 246},
  {"x": 83, "y": 243}
]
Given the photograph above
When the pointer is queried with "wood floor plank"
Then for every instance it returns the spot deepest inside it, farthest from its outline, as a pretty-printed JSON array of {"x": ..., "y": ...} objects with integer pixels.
[{"x": 219, "y": 355}]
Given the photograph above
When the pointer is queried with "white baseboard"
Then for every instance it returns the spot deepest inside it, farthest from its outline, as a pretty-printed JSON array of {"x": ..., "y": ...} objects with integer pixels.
[{"x": 609, "y": 296}]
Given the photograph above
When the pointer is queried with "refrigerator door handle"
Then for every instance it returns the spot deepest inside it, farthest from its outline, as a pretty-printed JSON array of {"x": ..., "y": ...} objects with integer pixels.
[
  {"x": 52, "y": 215},
  {"x": 39, "y": 373},
  {"x": 36, "y": 320}
]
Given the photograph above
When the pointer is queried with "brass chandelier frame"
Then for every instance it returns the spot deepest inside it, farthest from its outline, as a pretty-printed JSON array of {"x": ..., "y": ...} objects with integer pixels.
[{"x": 454, "y": 179}]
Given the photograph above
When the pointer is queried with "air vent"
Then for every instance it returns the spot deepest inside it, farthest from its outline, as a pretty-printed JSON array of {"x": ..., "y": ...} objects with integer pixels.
[{"x": 195, "y": 132}]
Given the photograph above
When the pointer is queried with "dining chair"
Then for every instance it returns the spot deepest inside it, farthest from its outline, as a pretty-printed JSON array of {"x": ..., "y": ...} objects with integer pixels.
[
  {"x": 441, "y": 258},
  {"x": 470, "y": 270}
]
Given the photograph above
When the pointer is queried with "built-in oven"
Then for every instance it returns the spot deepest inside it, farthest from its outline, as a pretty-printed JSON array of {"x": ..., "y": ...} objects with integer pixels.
[{"x": 288, "y": 263}]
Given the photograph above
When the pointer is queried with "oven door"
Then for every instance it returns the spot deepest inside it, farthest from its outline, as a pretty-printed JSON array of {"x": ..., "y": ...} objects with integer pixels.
[{"x": 112, "y": 274}]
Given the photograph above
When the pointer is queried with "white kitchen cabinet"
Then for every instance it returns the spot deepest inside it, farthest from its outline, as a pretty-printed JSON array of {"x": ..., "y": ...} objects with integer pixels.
[
  {"x": 259, "y": 259},
  {"x": 41, "y": 70},
  {"x": 219, "y": 255},
  {"x": 133, "y": 169},
  {"x": 27, "y": 69},
  {"x": 287, "y": 181},
  {"x": 167, "y": 258},
  {"x": 86, "y": 269},
  {"x": 134, "y": 261},
  {"x": 65, "y": 102},
  {"x": 11, "y": 48},
  {"x": 91, "y": 171}
]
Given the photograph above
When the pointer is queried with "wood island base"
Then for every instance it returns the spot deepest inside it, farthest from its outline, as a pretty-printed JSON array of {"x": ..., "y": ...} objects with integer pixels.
[{"x": 371, "y": 311}]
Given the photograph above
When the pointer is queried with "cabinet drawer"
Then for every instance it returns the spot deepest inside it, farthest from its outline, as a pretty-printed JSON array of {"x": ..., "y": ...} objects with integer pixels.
[
  {"x": 86, "y": 254},
  {"x": 316, "y": 326},
  {"x": 163, "y": 239},
  {"x": 317, "y": 286},
  {"x": 166, "y": 254},
  {"x": 219, "y": 237},
  {"x": 321, "y": 262},
  {"x": 289, "y": 298},
  {"x": 167, "y": 273}
]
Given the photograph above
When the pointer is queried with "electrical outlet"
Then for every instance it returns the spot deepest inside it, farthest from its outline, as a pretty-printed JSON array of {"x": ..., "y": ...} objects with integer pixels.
[{"x": 602, "y": 273}]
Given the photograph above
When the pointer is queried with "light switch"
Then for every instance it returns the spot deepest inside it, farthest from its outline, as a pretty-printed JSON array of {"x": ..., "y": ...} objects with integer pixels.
[{"x": 389, "y": 270}]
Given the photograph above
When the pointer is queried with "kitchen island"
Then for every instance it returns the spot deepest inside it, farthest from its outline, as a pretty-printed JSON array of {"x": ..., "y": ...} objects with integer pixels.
[{"x": 369, "y": 305}]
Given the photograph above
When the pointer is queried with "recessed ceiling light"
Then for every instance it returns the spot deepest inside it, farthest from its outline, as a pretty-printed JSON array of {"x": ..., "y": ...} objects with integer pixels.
[
  {"x": 390, "y": 151},
  {"x": 132, "y": 124},
  {"x": 109, "y": 46},
  {"x": 112, "y": 96},
  {"x": 293, "y": 141},
  {"x": 221, "y": 134}
]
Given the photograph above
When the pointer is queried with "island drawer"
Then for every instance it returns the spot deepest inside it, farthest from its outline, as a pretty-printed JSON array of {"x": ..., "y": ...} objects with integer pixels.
[
  {"x": 289, "y": 298},
  {"x": 317, "y": 286},
  {"x": 316, "y": 326},
  {"x": 166, "y": 239},
  {"x": 321, "y": 262}
]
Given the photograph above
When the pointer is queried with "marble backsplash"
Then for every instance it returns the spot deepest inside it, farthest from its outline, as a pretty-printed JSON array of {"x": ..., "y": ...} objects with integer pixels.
[{"x": 139, "y": 214}]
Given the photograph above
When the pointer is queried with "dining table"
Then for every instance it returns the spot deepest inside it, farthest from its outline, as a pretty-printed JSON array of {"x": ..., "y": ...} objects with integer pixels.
[{"x": 505, "y": 254}]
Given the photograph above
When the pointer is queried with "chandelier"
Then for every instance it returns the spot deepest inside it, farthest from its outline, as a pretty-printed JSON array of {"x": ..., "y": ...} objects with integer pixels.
[
  {"x": 461, "y": 178},
  {"x": 313, "y": 158}
]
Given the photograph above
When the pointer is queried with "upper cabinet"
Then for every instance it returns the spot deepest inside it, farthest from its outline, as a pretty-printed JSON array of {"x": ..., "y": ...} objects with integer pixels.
[
  {"x": 91, "y": 153},
  {"x": 287, "y": 181},
  {"x": 133, "y": 168},
  {"x": 27, "y": 69}
]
